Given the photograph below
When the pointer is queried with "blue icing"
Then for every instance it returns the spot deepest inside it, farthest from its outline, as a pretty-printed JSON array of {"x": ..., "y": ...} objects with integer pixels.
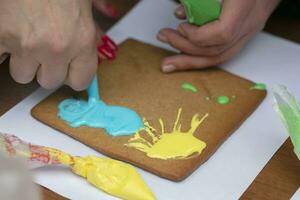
[{"x": 116, "y": 120}]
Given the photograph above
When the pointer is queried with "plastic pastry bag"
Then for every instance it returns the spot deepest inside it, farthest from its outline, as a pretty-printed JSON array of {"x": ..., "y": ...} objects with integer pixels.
[
  {"x": 111, "y": 176},
  {"x": 289, "y": 110}
]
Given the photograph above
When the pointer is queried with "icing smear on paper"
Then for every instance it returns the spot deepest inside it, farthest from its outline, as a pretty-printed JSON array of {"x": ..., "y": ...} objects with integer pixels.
[
  {"x": 170, "y": 145},
  {"x": 116, "y": 120}
]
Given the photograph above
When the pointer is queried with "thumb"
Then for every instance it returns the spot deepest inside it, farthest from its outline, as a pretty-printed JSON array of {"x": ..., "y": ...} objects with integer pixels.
[{"x": 186, "y": 62}]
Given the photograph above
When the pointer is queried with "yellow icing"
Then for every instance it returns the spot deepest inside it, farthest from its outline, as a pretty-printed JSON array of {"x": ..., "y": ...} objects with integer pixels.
[
  {"x": 174, "y": 145},
  {"x": 62, "y": 157},
  {"x": 111, "y": 176}
]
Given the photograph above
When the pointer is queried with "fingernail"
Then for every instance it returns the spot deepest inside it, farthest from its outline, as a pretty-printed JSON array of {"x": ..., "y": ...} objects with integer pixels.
[
  {"x": 107, "y": 52},
  {"x": 111, "y": 10},
  {"x": 162, "y": 37},
  {"x": 179, "y": 12},
  {"x": 107, "y": 40},
  {"x": 168, "y": 68}
]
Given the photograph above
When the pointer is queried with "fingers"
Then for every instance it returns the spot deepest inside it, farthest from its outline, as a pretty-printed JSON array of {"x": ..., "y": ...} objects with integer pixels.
[
  {"x": 180, "y": 12},
  {"x": 177, "y": 41},
  {"x": 186, "y": 62},
  {"x": 106, "y": 52},
  {"x": 211, "y": 34},
  {"x": 77, "y": 73},
  {"x": 215, "y": 42},
  {"x": 23, "y": 69},
  {"x": 222, "y": 31},
  {"x": 107, "y": 48},
  {"x": 109, "y": 42},
  {"x": 206, "y": 35},
  {"x": 51, "y": 75},
  {"x": 181, "y": 43},
  {"x": 82, "y": 70}
]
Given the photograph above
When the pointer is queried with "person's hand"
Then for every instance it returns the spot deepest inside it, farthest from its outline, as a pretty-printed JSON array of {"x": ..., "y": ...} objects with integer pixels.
[
  {"x": 53, "y": 40},
  {"x": 218, "y": 41}
]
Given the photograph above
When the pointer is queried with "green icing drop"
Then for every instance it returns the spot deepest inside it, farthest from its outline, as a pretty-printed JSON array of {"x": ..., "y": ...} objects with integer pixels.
[
  {"x": 259, "y": 86},
  {"x": 223, "y": 100},
  {"x": 188, "y": 86}
]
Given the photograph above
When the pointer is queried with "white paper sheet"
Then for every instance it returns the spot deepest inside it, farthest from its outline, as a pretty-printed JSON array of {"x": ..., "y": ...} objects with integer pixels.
[
  {"x": 231, "y": 169},
  {"x": 296, "y": 196}
]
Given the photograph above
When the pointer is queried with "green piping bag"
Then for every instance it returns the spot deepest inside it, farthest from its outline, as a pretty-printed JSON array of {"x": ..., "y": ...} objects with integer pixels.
[
  {"x": 289, "y": 110},
  {"x": 200, "y": 12}
]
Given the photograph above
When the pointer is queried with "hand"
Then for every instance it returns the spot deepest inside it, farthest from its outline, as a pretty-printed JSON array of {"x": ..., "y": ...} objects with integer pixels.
[
  {"x": 218, "y": 41},
  {"x": 54, "y": 40}
]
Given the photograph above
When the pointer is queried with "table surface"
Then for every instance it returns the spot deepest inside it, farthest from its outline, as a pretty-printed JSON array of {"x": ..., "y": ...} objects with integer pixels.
[{"x": 279, "y": 179}]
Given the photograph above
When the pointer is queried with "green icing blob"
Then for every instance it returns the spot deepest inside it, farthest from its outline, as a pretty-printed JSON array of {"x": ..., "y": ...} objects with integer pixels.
[
  {"x": 223, "y": 100},
  {"x": 188, "y": 86},
  {"x": 200, "y": 12},
  {"x": 259, "y": 86}
]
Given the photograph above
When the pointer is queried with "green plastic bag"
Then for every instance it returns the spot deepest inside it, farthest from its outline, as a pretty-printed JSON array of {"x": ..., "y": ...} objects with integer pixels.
[
  {"x": 289, "y": 110},
  {"x": 200, "y": 12}
]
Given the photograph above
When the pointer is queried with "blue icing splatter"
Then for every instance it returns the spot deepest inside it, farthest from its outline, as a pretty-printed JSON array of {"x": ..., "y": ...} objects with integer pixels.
[{"x": 116, "y": 120}]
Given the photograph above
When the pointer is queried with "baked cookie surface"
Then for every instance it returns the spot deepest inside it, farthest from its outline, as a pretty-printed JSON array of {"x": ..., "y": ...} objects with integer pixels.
[{"x": 212, "y": 101}]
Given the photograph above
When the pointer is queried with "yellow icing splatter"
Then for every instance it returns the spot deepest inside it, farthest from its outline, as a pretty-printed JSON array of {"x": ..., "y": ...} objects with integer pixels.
[
  {"x": 174, "y": 145},
  {"x": 111, "y": 176}
]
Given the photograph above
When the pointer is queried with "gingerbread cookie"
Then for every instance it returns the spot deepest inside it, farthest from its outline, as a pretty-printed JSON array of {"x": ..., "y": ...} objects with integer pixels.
[{"x": 186, "y": 115}]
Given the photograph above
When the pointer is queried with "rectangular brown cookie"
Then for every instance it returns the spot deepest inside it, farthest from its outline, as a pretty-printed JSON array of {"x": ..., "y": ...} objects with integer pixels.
[{"x": 134, "y": 80}]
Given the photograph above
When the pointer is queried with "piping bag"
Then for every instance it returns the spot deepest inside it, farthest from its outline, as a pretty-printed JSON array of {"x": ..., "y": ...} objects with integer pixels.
[
  {"x": 111, "y": 176},
  {"x": 200, "y": 12},
  {"x": 289, "y": 110}
]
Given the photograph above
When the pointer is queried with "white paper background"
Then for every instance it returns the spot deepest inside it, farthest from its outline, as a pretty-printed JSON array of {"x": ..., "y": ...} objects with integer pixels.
[{"x": 231, "y": 169}]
